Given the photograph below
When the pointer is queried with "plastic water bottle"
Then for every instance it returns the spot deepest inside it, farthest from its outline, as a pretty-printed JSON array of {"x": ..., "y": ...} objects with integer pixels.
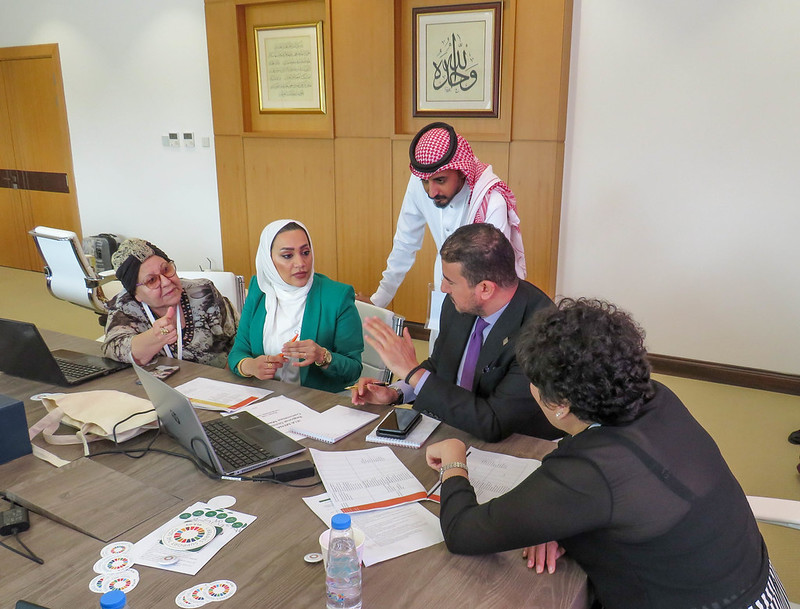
[{"x": 343, "y": 571}]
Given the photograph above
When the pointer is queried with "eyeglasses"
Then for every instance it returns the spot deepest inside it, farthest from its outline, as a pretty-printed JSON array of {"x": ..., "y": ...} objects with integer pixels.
[{"x": 153, "y": 281}]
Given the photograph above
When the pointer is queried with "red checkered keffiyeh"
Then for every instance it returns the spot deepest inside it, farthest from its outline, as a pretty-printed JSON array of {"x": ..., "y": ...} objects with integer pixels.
[{"x": 433, "y": 145}]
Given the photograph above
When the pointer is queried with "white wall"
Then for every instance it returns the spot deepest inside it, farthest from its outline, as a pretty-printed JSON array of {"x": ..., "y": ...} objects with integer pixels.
[
  {"x": 134, "y": 71},
  {"x": 682, "y": 177}
]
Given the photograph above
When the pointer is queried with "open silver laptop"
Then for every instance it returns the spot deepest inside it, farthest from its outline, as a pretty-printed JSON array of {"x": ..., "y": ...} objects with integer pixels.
[
  {"x": 24, "y": 353},
  {"x": 230, "y": 445}
]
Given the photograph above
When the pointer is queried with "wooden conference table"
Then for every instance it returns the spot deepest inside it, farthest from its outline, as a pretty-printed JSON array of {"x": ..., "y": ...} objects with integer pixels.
[{"x": 266, "y": 561}]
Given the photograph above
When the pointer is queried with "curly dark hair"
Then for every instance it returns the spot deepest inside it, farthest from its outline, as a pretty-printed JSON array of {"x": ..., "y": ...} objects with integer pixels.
[{"x": 589, "y": 354}]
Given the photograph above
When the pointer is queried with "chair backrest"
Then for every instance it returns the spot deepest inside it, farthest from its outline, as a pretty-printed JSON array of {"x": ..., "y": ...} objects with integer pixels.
[
  {"x": 69, "y": 274},
  {"x": 229, "y": 285},
  {"x": 372, "y": 364}
]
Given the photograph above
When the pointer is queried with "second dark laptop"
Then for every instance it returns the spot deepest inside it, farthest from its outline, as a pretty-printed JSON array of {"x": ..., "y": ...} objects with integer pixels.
[
  {"x": 24, "y": 353},
  {"x": 231, "y": 445}
]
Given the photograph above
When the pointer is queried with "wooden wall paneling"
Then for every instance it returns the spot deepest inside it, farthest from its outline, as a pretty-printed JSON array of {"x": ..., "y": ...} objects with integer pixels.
[
  {"x": 363, "y": 63},
  {"x": 495, "y": 154},
  {"x": 225, "y": 70},
  {"x": 295, "y": 124},
  {"x": 293, "y": 178},
  {"x": 536, "y": 173},
  {"x": 541, "y": 70},
  {"x": 412, "y": 297},
  {"x": 364, "y": 222},
  {"x": 472, "y": 128},
  {"x": 13, "y": 235},
  {"x": 236, "y": 251}
]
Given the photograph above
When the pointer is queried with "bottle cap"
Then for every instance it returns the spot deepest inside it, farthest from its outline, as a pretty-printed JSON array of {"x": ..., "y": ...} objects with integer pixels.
[
  {"x": 340, "y": 522},
  {"x": 113, "y": 600}
]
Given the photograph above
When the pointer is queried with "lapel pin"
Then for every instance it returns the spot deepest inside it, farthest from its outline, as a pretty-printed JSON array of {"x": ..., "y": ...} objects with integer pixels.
[{"x": 505, "y": 341}]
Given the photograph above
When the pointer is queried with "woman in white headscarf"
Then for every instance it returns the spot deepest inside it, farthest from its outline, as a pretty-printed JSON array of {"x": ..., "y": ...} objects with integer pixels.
[{"x": 297, "y": 326}]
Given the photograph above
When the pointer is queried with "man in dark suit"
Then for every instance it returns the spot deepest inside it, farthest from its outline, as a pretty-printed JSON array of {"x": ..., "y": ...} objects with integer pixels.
[{"x": 486, "y": 308}]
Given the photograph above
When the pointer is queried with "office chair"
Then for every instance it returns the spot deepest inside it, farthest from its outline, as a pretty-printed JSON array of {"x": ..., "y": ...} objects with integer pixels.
[
  {"x": 69, "y": 274},
  {"x": 372, "y": 364}
]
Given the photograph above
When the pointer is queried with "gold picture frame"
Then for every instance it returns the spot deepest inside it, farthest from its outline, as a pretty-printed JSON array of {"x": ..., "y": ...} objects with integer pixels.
[
  {"x": 456, "y": 59},
  {"x": 291, "y": 68}
]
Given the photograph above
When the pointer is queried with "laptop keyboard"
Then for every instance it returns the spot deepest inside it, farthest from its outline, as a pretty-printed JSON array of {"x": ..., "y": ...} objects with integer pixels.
[
  {"x": 232, "y": 447},
  {"x": 73, "y": 370}
]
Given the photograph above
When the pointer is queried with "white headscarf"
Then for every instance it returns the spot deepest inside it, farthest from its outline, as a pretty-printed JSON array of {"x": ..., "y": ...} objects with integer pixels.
[{"x": 285, "y": 303}]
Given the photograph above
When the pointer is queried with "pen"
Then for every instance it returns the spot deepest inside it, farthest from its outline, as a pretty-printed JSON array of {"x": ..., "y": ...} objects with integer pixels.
[
  {"x": 296, "y": 336},
  {"x": 376, "y": 383},
  {"x": 438, "y": 484}
]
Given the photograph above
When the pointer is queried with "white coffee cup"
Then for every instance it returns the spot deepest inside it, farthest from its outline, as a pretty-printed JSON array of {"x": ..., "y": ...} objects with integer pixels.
[{"x": 358, "y": 536}]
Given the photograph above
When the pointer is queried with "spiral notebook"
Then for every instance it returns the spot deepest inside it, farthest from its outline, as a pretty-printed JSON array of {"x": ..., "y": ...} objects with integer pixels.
[
  {"x": 418, "y": 436},
  {"x": 334, "y": 424}
]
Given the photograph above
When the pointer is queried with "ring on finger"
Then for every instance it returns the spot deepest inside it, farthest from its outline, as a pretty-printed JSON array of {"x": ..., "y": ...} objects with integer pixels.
[{"x": 164, "y": 330}]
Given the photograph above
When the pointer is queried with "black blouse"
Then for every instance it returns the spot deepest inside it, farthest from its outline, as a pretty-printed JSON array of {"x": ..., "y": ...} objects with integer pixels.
[{"x": 649, "y": 509}]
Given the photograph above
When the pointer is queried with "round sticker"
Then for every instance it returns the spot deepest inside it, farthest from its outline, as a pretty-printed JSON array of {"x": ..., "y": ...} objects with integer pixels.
[
  {"x": 220, "y": 590},
  {"x": 124, "y": 580},
  {"x": 96, "y": 585},
  {"x": 115, "y": 549},
  {"x": 188, "y": 536},
  {"x": 221, "y": 502},
  {"x": 183, "y": 600},
  {"x": 111, "y": 564},
  {"x": 198, "y": 593}
]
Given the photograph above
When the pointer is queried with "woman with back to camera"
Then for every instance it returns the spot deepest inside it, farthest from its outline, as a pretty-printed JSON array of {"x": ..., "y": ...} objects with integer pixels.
[
  {"x": 297, "y": 326},
  {"x": 160, "y": 313},
  {"x": 638, "y": 493}
]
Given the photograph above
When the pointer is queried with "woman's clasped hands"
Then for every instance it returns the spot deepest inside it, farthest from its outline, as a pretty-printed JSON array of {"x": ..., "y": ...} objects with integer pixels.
[{"x": 303, "y": 352}]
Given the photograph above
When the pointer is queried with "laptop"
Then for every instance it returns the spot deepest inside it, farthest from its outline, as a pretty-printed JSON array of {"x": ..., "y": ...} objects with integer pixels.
[
  {"x": 24, "y": 353},
  {"x": 230, "y": 445}
]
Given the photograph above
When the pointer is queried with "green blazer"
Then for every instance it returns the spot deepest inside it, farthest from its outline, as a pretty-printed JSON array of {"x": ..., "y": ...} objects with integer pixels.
[{"x": 330, "y": 319}]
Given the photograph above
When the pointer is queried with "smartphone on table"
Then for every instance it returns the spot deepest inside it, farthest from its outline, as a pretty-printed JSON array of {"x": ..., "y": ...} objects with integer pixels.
[{"x": 399, "y": 423}]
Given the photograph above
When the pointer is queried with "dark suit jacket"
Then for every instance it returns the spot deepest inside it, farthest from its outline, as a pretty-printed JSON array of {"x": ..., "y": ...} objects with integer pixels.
[{"x": 501, "y": 402}]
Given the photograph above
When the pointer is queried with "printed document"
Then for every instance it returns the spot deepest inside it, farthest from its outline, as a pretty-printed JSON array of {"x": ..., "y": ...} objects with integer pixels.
[
  {"x": 494, "y": 474},
  {"x": 282, "y": 413},
  {"x": 219, "y": 395},
  {"x": 389, "y": 533},
  {"x": 368, "y": 479}
]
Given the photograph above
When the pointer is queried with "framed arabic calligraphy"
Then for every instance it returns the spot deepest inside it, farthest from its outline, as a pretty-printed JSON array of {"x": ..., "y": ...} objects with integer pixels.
[
  {"x": 456, "y": 59},
  {"x": 290, "y": 67}
]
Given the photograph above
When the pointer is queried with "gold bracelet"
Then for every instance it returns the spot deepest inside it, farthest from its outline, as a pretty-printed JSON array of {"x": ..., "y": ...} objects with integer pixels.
[
  {"x": 239, "y": 368},
  {"x": 326, "y": 359}
]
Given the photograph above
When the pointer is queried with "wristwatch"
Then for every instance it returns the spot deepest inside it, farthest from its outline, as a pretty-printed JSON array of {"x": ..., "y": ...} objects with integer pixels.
[
  {"x": 453, "y": 465},
  {"x": 326, "y": 359},
  {"x": 400, "y": 399}
]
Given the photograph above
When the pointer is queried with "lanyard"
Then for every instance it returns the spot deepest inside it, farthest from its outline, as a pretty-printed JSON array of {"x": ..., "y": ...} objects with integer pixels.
[{"x": 152, "y": 319}]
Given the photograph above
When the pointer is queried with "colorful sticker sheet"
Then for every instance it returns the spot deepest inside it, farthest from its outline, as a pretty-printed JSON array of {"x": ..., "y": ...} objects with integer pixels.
[{"x": 189, "y": 540}]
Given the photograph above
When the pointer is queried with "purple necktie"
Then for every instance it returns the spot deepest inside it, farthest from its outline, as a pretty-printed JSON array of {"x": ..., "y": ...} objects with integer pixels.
[{"x": 473, "y": 350}]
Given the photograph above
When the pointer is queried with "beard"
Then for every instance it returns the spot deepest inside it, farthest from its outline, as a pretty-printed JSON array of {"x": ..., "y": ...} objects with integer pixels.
[{"x": 441, "y": 203}]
